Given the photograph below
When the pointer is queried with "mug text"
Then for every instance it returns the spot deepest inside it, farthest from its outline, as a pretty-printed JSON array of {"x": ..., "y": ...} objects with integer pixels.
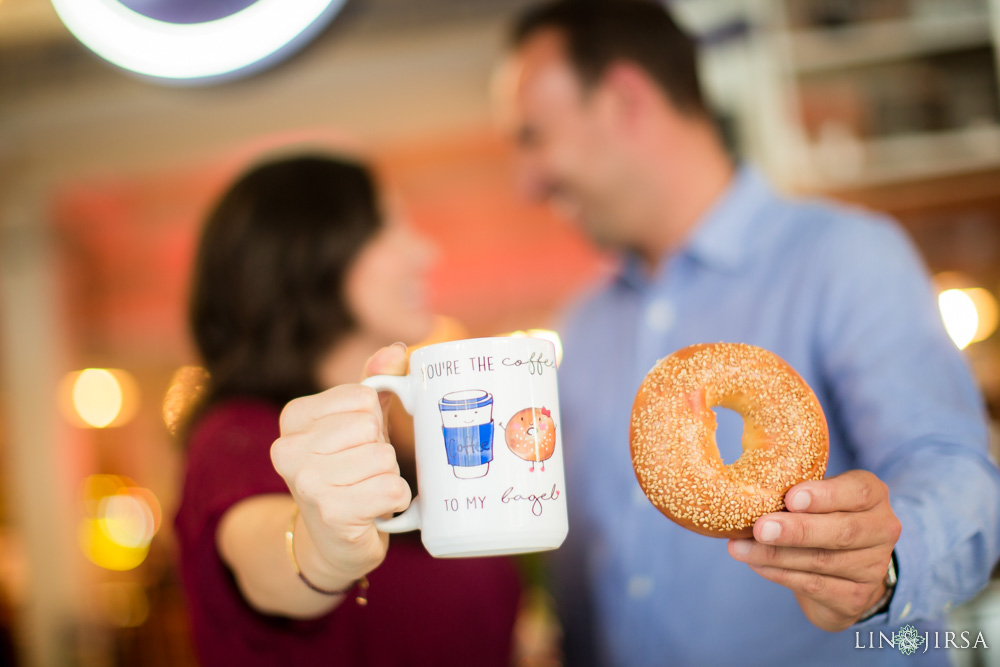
[
  {"x": 536, "y": 500},
  {"x": 472, "y": 503},
  {"x": 536, "y": 363}
]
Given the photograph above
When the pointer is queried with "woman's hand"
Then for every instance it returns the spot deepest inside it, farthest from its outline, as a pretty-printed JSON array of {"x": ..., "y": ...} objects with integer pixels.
[{"x": 335, "y": 456}]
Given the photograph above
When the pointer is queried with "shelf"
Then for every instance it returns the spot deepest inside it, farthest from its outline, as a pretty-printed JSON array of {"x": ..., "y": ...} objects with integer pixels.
[
  {"x": 817, "y": 50},
  {"x": 897, "y": 158}
]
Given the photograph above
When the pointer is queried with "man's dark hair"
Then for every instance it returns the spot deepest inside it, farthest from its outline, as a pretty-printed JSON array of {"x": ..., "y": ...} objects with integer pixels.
[{"x": 598, "y": 33}]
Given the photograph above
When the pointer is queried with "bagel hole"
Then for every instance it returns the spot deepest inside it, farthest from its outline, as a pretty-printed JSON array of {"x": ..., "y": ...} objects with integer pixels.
[{"x": 728, "y": 434}]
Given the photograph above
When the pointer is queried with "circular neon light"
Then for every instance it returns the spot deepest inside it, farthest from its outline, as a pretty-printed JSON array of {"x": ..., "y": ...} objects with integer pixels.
[
  {"x": 187, "y": 52},
  {"x": 187, "y": 11}
]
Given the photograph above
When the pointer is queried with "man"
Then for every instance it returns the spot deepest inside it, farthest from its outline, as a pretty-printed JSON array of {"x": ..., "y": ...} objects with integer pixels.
[{"x": 610, "y": 125}]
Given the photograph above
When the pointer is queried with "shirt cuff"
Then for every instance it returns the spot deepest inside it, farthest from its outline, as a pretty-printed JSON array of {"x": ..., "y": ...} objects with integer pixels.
[{"x": 910, "y": 552}]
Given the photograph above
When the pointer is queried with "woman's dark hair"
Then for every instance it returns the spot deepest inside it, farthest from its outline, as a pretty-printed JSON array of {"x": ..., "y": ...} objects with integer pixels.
[
  {"x": 267, "y": 298},
  {"x": 600, "y": 32}
]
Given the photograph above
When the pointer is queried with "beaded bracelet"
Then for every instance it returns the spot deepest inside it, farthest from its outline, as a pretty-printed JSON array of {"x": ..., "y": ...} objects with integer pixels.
[{"x": 361, "y": 584}]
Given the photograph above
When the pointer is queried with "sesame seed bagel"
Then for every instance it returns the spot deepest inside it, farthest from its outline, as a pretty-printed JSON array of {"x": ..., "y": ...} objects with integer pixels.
[
  {"x": 672, "y": 436},
  {"x": 531, "y": 434}
]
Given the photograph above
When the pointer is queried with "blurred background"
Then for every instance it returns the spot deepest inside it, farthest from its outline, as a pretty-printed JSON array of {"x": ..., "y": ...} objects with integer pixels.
[{"x": 105, "y": 178}]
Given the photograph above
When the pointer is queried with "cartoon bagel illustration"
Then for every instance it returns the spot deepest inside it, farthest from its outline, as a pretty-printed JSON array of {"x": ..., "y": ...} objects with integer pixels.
[{"x": 531, "y": 435}]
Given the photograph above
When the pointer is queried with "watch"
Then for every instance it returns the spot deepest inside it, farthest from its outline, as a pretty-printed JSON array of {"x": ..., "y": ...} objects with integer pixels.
[{"x": 882, "y": 604}]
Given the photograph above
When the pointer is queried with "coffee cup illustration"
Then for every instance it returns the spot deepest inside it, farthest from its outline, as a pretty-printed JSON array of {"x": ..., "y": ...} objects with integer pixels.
[{"x": 467, "y": 424}]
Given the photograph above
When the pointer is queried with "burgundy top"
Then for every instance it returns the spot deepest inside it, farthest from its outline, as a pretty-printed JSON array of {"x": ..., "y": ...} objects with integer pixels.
[{"x": 421, "y": 610}]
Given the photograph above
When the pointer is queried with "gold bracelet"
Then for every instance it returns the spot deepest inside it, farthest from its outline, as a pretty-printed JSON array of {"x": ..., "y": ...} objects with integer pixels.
[{"x": 361, "y": 584}]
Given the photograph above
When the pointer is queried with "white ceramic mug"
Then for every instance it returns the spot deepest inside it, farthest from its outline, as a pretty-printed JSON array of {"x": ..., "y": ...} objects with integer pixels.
[{"x": 488, "y": 447}]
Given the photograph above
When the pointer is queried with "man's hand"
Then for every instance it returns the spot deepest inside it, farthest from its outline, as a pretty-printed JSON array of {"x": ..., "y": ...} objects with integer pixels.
[{"x": 832, "y": 548}]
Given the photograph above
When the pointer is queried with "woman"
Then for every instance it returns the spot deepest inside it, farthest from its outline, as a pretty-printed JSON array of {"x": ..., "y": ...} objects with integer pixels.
[{"x": 301, "y": 276}]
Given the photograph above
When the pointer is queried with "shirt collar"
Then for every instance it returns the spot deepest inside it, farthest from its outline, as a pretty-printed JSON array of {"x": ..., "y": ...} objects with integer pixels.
[{"x": 722, "y": 238}]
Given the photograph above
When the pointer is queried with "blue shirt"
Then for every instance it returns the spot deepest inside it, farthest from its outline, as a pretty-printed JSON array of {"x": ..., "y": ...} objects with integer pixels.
[{"x": 841, "y": 296}]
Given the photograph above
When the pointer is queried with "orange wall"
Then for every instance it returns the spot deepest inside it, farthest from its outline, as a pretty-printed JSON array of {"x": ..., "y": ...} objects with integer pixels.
[{"x": 127, "y": 240}]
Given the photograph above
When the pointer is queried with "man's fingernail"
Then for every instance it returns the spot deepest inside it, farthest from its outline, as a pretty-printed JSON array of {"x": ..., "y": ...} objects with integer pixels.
[
  {"x": 800, "y": 500},
  {"x": 400, "y": 345},
  {"x": 741, "y": 547},
  {"x": 770, "y": 531}
]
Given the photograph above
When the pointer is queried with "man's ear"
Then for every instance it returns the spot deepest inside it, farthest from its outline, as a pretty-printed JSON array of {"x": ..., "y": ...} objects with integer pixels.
[{"x": 630, "y": 93}]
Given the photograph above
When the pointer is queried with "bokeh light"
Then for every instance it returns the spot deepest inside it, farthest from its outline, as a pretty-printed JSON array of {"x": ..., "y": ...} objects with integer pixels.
[
  {"x": 102, "y": 551},
  {"x": 126, "y": 520},
  {"x": 986, "y": 310},
  {"x": 960, "y": 317},
  {"x": 187, "y": 386},
  {"x": 120, "y": 520},
  {"x": 99, "y": 397},
  {"x": 970, "y": 312}
]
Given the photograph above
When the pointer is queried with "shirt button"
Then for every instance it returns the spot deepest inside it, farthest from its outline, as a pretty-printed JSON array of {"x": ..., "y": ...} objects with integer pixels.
[
  {"x": 906, "y": 611},
  {"x": 660, "y": 316},
  {"x": 640, "y": 586}
]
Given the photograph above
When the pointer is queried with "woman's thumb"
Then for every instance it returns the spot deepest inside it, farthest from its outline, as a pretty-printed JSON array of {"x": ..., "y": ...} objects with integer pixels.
[{"x": 390, "y": 360}]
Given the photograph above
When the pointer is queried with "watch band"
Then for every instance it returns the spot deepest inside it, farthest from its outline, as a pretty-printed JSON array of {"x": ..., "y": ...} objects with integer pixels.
[{"x": 882, "y": 604}]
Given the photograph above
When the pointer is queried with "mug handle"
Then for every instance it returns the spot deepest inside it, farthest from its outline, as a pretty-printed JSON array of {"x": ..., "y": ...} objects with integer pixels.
[{"x": 400, "y": 386}]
